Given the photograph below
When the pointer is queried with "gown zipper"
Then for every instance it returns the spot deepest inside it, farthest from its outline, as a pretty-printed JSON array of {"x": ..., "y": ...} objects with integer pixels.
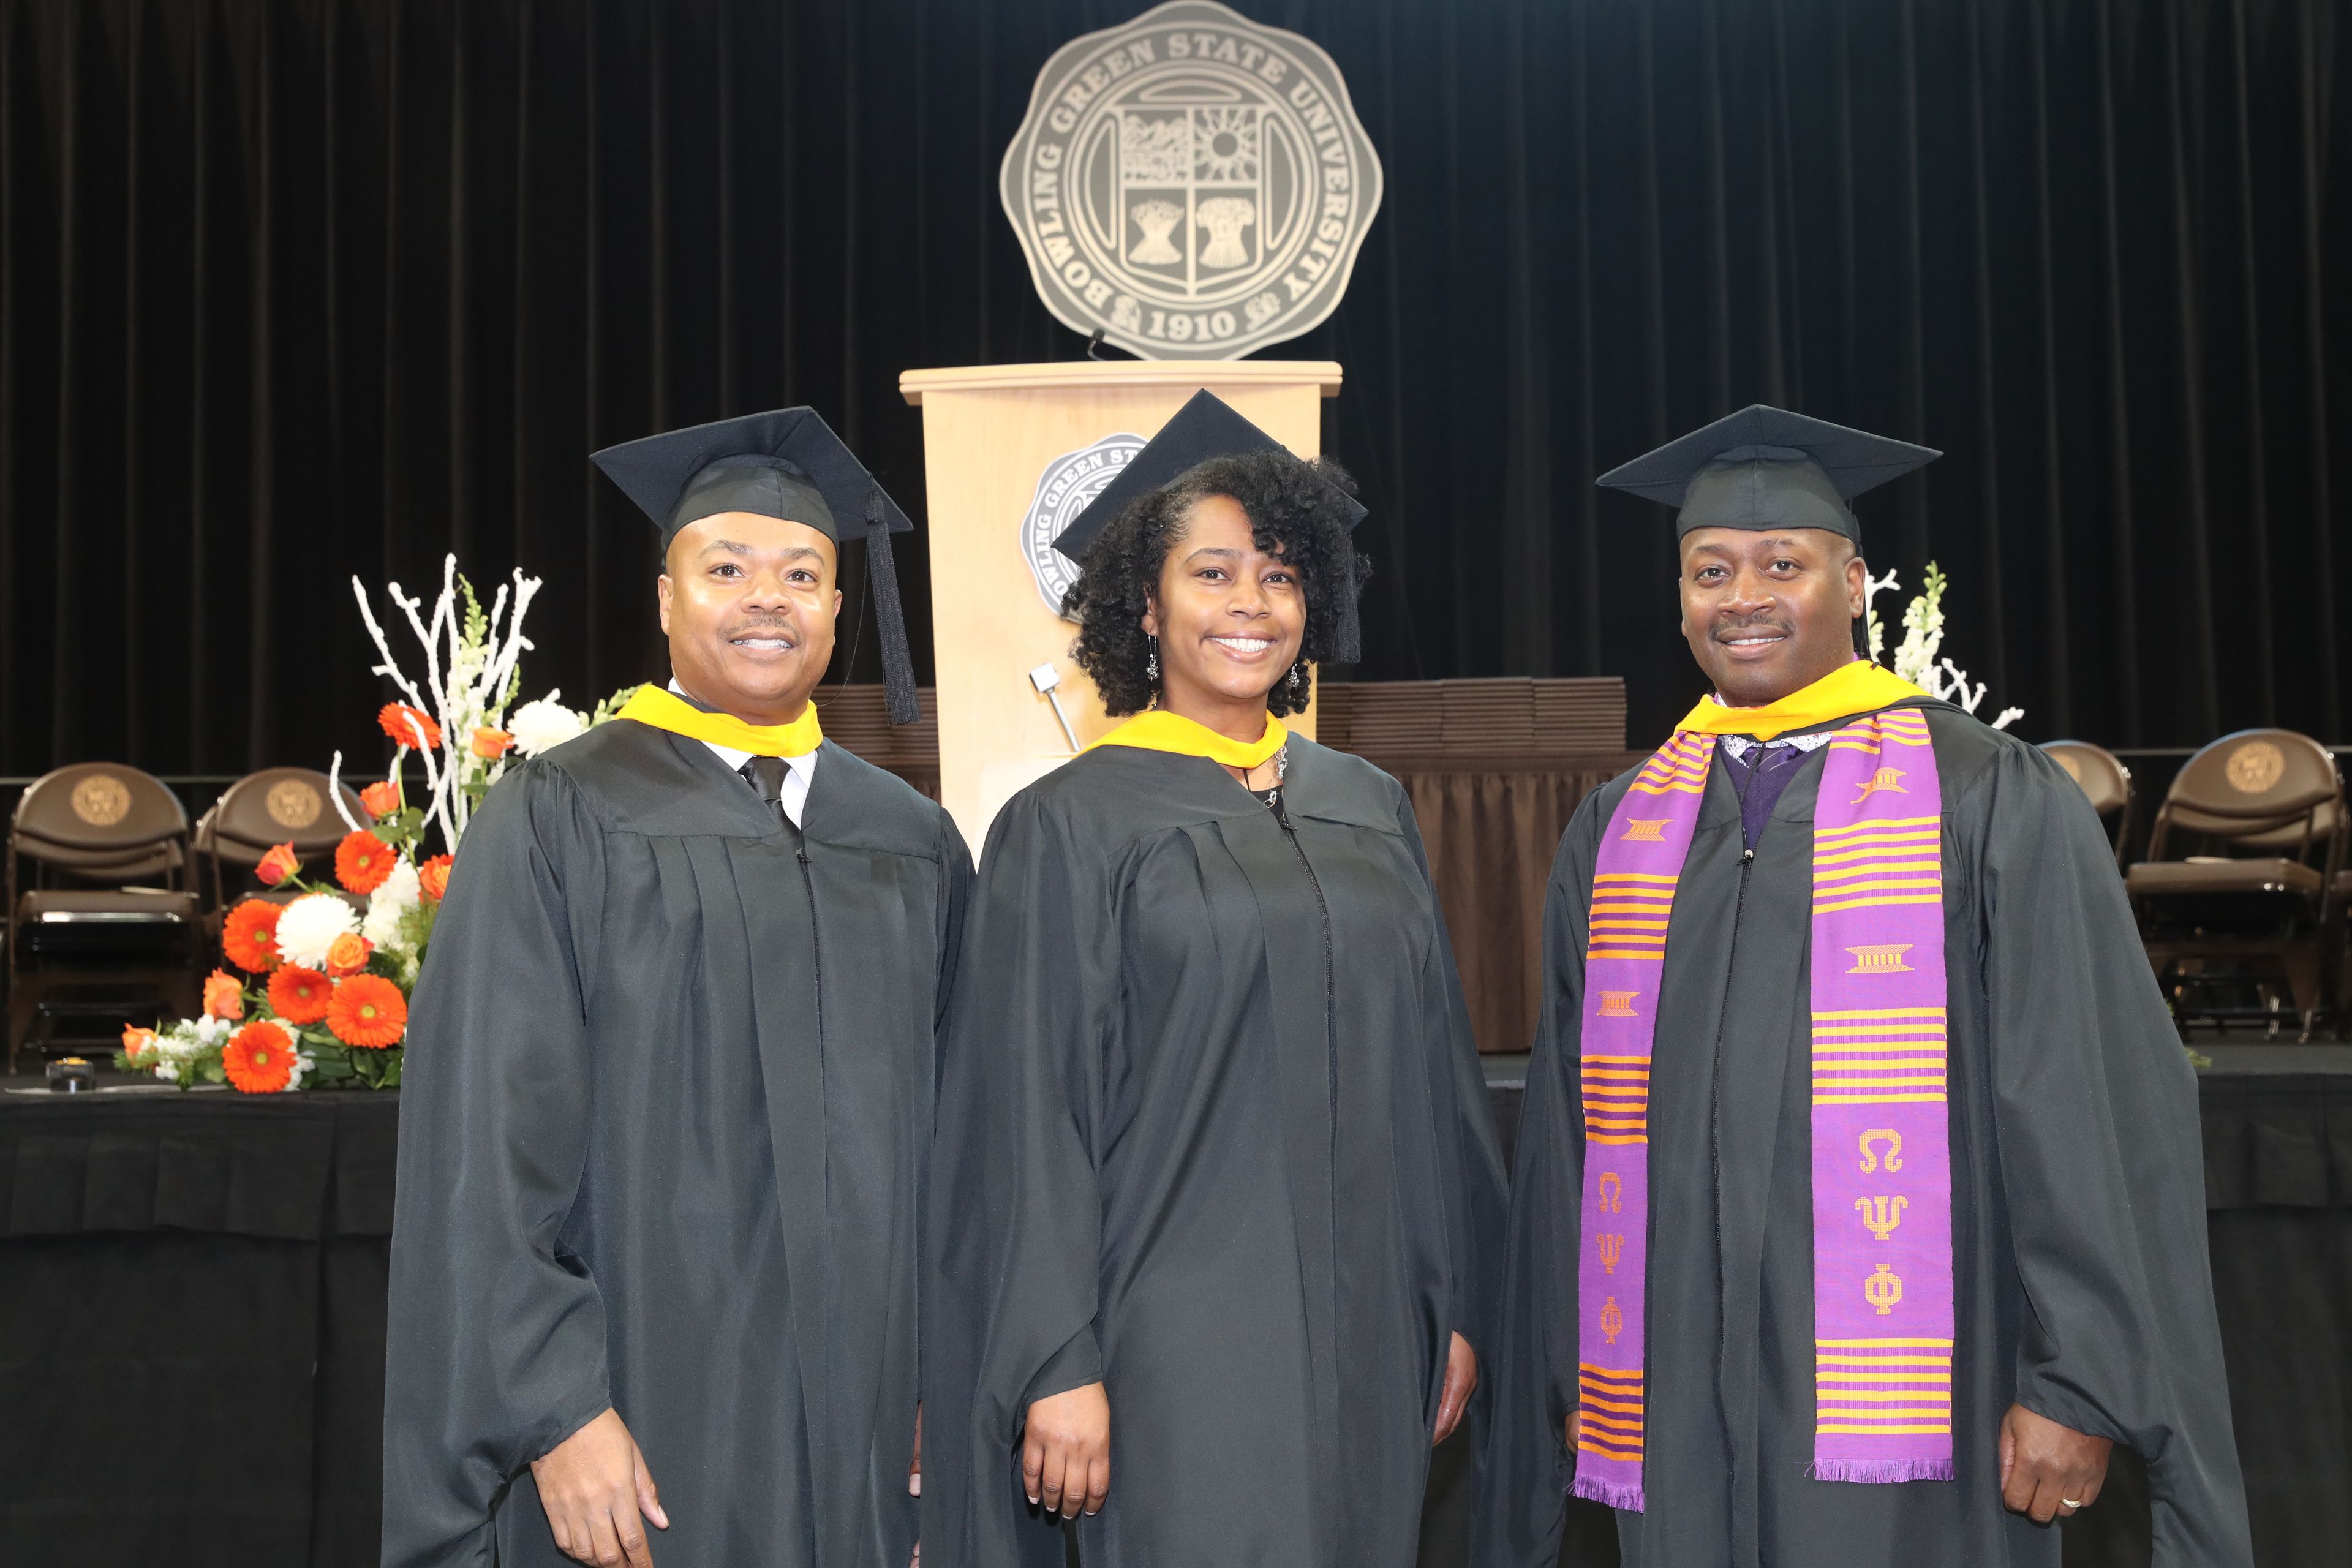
[{"x": 1330, "y": 991}]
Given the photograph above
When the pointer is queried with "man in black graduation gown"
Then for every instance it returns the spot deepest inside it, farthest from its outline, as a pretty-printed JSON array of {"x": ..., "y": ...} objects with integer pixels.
[
  {"x": 668, "y": 1103},
  {"x": 2081, "y": 1297}
]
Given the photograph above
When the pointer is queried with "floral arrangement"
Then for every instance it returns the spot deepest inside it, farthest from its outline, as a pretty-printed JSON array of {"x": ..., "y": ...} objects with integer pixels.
[
  {"x": 315, "y": 992},
  {"x": 1917, "y": 658}
]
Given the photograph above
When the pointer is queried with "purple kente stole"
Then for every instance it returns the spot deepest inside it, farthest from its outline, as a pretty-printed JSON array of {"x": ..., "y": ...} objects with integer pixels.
[{"x": 1882, "y": 1161}]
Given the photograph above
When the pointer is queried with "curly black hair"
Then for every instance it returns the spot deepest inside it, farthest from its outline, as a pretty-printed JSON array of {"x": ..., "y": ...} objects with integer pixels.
[{"x": 1292, "y": 507}]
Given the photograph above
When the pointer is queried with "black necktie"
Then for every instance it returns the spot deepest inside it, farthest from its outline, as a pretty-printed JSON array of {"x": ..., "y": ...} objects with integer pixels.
[{"x": 766, "y": 774}]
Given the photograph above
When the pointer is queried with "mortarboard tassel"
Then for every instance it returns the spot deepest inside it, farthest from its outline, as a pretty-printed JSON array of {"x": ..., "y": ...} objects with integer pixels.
[
  {"x": 1348, "y": 637},
  {"x": 882, "y": 572}
]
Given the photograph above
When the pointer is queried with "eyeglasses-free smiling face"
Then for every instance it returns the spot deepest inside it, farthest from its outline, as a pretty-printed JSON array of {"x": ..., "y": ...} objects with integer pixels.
[
  {"x": 1767, "y": 613},
  {"x": 749, "y": 604},
  {"x": 1230, "y": 617}
]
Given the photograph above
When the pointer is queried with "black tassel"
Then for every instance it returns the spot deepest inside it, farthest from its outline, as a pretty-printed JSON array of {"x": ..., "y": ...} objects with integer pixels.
[
  {"x": 891, "y": 618},
  {"x": 1348, "y": 637}
]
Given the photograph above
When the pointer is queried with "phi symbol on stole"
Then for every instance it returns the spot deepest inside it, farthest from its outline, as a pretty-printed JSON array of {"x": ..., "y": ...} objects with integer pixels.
[
  {"x": 1613, "y": 1319},
  {"x": 1880, "y": 1215},
  {"x": 1882, "y": 1289},
  {"x": 1612, "y": 1252}
]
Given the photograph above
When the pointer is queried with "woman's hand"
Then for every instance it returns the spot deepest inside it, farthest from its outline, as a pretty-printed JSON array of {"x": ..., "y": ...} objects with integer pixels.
[
  {"x": 1461, "y": 1382},
  {"x": 1065, "y": 1453},
  {"x": 598, "y": 1495}
]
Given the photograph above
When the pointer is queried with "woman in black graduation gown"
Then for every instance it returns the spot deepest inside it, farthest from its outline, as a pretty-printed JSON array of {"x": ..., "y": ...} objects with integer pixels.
[{"x": 1216, "y": 1189}]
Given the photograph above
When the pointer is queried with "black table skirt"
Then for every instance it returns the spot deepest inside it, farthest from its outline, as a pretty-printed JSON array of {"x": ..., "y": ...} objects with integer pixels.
[{"x": 192, "y": 1326}]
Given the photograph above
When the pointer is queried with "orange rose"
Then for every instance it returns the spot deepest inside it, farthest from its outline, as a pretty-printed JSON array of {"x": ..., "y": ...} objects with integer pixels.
[
  {"x": 491, "y": 744},
  {"x": 368, "y": 1011},
  {"x": 249, "y": 935},
  {"x": 224, "y": 996},
  {"x": 136, "y": 1041},
  {"x": 260, "y": 1058},
  {"x": 362, "y": 861},
  {"x": 433, "y": 878},
  {"x": 277, "y": 865},
  {"x": 348, "y": 955},
  {"x": 300, "y": 995},
  {"x": 381, "y": 798},
  {"x": 410, "y": 726}
]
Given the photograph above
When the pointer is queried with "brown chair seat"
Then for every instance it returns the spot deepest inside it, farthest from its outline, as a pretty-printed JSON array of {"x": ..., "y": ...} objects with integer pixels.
[
  {"x": 65, "y": 906},
  {"x": 2165, "y": 878}
]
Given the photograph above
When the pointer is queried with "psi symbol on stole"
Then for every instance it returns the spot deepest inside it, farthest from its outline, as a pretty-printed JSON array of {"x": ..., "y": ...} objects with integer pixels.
[{"x": 1880, "y": 1215}]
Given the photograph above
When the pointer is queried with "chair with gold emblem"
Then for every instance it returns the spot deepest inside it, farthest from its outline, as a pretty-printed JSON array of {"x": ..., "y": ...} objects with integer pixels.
[
  {"x": 276, "y": 805},
  {"x": 2104, "y": 780},
  {"x": 101, "y": 919},
  {"x": 2268, "y": 806}
]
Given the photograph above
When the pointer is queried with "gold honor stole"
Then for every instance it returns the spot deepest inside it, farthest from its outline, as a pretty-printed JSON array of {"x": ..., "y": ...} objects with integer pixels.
[
  {"x": 1161, "y": 730},
  {"x": 1882, "y": 1166},
  {"x": 668, "y": 711}
]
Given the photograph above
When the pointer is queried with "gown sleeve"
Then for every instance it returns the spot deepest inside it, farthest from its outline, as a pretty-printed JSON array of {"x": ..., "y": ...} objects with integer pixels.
[
  {"x": 494, "y": 1335},
  {"x": 2095, "y": 1116},
  {"x": 1524, "y": 1483},
  {"x": 1015, "y": 1203},
  {"x": 1477, "y": 1200}
]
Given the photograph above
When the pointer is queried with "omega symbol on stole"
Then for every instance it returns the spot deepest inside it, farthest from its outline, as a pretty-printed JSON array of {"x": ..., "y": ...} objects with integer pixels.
[
  {"x": 1611, "y": 1197},
  {"x": 1893, "y": 1141},
  {"x": 1880, "y": 1215},
  {"x": 1882, "y": 1289}
]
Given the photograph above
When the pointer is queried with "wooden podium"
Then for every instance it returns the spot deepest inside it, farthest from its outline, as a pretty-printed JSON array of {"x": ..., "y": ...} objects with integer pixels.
[{"x": 990, "y": 432}]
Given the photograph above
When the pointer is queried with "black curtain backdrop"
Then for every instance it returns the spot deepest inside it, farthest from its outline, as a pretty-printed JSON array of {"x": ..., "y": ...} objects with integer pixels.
[{"x": 298, "y": 290}]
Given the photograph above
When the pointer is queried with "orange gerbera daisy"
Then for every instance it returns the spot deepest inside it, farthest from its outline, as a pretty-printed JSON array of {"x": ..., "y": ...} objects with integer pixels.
[
  {"x": 362, "y": 861},
  {"x": 300, "y": 995},
  {"x": 224, "y": 996},
  {"x": 260, "y": 1058},
  {"x": 433, "y": 878},
  {"x": 368, "y": 1010},
  {"x": 280, "y": 863},
  {"x": 249, "y": 935},
  {"x": 381, "y": 798},
  {"x": 406, "y": 725}
]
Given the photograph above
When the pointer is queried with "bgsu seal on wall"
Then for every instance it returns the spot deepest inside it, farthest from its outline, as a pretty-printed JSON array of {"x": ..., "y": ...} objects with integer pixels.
[{"x": 1191, "y": 184}]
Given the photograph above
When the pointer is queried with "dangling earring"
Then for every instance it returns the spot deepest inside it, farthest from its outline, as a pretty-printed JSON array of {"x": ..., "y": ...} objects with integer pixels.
[
  {"x": 1151, "y": 661},
  {"x": 1298, "y": 677}
]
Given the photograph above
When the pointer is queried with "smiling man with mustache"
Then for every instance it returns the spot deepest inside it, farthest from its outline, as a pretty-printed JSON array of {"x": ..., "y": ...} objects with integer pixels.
[
  {"x": 668, "y": 1101},
  {"x": 1858, "y": 1212}
]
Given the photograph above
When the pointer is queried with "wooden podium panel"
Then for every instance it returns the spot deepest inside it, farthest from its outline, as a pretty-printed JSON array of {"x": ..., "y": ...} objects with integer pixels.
[{"x": 989, "y": 432}]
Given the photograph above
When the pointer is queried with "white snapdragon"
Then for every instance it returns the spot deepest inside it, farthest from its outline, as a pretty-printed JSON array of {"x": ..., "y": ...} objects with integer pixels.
[{"x": 393, "y": 899}]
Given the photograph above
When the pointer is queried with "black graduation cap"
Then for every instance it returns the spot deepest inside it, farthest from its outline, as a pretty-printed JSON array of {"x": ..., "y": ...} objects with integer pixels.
[
  {"x": 1207, "y": 427},
  {"x": 786, "y": 463},
  {"x": 1766, "y": 467}
]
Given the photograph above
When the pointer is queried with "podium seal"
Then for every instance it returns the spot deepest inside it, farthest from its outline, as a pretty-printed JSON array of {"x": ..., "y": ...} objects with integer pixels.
[
  {"x": 1191, "y": 183},
  {"x": 1069, "y": 482}
]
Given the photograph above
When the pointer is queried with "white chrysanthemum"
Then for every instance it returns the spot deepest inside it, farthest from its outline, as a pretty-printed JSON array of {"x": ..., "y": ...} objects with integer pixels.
[
  {"x": 207, "y": 1032},
  {"x": 169, "y": 1072},
  {"x": 393, "y": 898},
  {"x": 309, "y": 927},
  {"x": 544, "y": 724},
  {"x": 303, "y": 1062}
]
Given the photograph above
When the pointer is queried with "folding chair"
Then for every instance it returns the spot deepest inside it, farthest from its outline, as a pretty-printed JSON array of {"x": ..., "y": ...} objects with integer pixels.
[{"x": 2104, "y": 780}]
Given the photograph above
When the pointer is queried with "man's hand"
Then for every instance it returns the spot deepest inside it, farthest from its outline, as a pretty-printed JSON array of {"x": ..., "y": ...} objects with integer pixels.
[
  {"x": 915, "y": 1478},
  {"x": 2048, "y": 1471},
  {"x": 1066, "y": 1454},
  {"x": 1461, "y": 1382},
  {"x": 594, "y": 1486}
]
